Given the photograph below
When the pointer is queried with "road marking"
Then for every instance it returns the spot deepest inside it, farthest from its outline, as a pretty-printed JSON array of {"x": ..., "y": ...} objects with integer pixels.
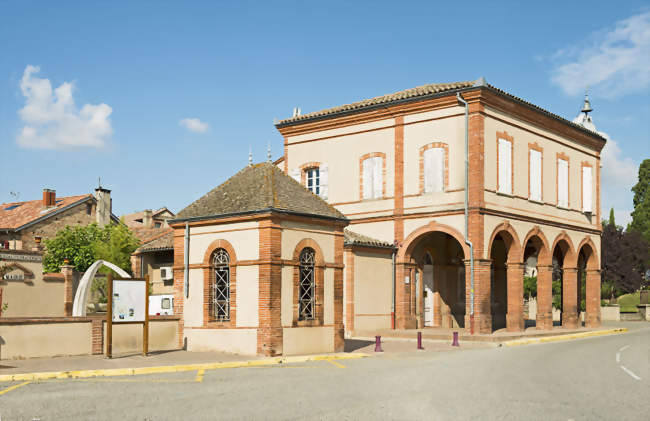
[
  {"x": 545, "y": 339},
  {"x": 199, "y": 375},
  {"x": 113, "y": 380},
  {"x": 10, "y": 388},
  {"x": 634, "y": 376},
  {"x": 339, "y": 365}
]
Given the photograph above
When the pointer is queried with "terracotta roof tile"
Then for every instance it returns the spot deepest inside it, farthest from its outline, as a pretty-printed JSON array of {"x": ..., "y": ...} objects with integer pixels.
[
  {"x": 354, "y": 239},
  {"x": 162, "y": 241},
  {"x": 17, "y": 214}
]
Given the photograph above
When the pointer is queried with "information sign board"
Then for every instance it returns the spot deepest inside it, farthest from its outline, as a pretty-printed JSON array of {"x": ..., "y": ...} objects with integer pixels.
[{"x": 129, "y": 300}]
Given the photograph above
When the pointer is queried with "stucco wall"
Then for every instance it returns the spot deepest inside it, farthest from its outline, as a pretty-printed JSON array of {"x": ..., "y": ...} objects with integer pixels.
[
  {"x": 238, "y": 341},
  {"x": 44, "y": 339},
  {"x": 33, "y": 296},
  {"x": 163, "y": 336},
  {"x": 247, "y": 296},
  {"x": 294, "y": 232},
  {"x": 372, "y": 290},
  {"x": 243, "y": 236},
  {"x": 307, "y": 340}
]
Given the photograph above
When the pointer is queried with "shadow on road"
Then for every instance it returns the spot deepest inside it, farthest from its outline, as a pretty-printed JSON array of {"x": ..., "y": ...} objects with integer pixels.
[{"x": 354, "y": 344}]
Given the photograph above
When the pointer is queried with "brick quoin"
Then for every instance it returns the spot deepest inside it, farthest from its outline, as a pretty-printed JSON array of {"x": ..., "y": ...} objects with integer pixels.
[
  {"x": 399, "y": 180},
  {"x": 269, "y": 332}
]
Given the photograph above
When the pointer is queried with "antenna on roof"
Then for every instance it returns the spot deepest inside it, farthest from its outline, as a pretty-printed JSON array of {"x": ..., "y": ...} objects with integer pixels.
[
  {"x": 99, "y": 182},
  {"x": 250, "y": 156},
  {"x": 296, "y": 112},
  {"x": 268, "y": 151},
  {"x": 15, "y": 195}
]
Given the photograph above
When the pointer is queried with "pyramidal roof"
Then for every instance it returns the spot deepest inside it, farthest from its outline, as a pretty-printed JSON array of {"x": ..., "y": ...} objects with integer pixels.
[{"x": 256, "y": 188}]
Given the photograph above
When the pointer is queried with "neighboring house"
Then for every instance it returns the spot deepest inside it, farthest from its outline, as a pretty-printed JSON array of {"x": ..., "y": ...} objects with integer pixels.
[
  {"x": 24, "y": 225},
  {"x": 148, "y": 218},
  {"x": 155, "y": 257},
  {"x": 265, "y": 272},
  {"x": 394, "y": 165}
]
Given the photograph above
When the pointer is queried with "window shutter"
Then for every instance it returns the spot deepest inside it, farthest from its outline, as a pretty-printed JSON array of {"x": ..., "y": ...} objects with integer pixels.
[
  {"x": 438, "y": 169},
  {"x": 323, "y": 181},
  {"x": 367, "y": 178},
  {"x": 586, "y": 189},
  {"x": 428, "y": 170},
  {"x": 502, "y": 187},
  {"x": 377, "y": 177},
  {"x": 563, "y": 183},
  {"x": 535, "y": 175},
  {"x": 295, "y": 174}
]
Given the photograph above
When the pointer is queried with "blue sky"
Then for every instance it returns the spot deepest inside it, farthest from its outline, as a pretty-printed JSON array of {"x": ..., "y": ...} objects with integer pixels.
[{"x": 162, "y": 99}]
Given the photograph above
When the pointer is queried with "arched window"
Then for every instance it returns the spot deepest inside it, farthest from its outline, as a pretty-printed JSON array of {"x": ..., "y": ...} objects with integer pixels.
[
  {"x": 221, "y": 285},
  {"x": 307, "y": 285}
]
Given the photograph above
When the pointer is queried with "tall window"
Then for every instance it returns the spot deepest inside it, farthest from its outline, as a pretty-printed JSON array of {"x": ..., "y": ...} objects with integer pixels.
[
  {"x": 586, "y": 189},
  {"x": 535, "y": 168},
  {"x": 505, "y": 166},
  {"x": 221, "y": 286},
  {"x": 313, "y": 180},
  {"x": 434, "y": 170},
  {"x": 307, "y": 286},
  {"x": 563, "y": 182},
  {"x": 372, "y": 177}
]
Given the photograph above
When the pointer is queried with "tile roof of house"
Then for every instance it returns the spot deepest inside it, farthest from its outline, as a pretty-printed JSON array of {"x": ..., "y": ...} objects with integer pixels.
[
  {"x": 15, "y": 215},
  {"x": 257, "y": 188},
  {"x": 414, "y": 94},
  {"x": 145, "y": 234},
  {"x": 135, "y": 219},
  {"x": 354, "y": 239},
  {"x": 164, "y": 240}
]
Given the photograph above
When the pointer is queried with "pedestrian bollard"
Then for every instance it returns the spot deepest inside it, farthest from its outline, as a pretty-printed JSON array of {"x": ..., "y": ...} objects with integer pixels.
[
  {"x": 378, "y": 344},
  {"x": 420, "y": 341},
  {"x": 455, "y": 342}
]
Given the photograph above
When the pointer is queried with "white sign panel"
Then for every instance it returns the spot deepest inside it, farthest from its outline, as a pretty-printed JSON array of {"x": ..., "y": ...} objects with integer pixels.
[{"x": 129, "y": 301}]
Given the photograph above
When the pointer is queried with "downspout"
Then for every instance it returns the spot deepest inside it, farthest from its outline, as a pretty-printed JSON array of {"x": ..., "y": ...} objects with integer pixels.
[
  {"x": 186, "y": 274},
  {"x": 392, "y": 287},
  {"x": 469, "y": 243}
]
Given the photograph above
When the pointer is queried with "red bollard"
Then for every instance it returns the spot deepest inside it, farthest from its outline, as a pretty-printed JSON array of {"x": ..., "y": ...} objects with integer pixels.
[
  {"x": 378, "y": 344},
  {"x": 455, "y": 342},
  {"x": 420, "y": 347}
]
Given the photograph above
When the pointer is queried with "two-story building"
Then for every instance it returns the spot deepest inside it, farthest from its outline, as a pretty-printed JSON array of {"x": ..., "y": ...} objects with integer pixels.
[{"x": 468, "y": 182}]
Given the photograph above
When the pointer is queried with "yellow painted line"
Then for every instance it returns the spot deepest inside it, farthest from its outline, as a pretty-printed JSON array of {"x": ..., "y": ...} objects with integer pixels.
[
  {"x": 559, "y": 338},
  {"x": 76, "y": 374},
  {"x": 96, "y": 380},
  {"x": 337, "y": 364},
  {"x": 10, "y": 388},
  {"x": 199, "y": 375}
]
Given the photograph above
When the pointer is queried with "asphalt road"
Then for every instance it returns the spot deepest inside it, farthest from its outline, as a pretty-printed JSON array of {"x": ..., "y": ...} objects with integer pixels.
[{"x": 604, "y": 378}]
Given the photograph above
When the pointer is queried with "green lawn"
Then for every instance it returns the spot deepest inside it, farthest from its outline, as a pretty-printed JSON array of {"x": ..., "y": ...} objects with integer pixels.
[{"x": 628, "y": 302}]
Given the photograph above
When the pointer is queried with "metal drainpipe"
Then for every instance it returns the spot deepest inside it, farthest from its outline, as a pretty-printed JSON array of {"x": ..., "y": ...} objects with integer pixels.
[
  {"x": 469, "y": 243},
  {"x": 392, "y": 310},
  {"x": 187, "y": 260}
]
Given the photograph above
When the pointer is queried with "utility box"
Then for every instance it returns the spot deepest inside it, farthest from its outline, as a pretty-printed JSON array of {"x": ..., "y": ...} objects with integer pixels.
[{"x": 161, "y": 305}]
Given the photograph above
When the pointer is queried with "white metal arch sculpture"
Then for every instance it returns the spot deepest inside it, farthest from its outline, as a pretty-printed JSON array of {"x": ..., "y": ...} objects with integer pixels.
[{"x": 81, "y": 297}]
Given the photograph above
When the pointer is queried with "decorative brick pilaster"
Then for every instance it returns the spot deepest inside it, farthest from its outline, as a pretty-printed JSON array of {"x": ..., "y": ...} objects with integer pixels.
[
  {"x": 515, "y": 280},
  {"x": 269, "y": 332},
  {"x": 339, "y": 329},
  {"x": 592, "y": 299},
  {"x": 399, "y": 180},
  {"x": 349, "y": 290},
  {"x": 97, "y": 332},
  {"x": 544, "y": 297},
  {"x": 404, "y": 316},
  {"x": 179, "y": 280},
  {"x": 68, "y": 281},
  {"x": 570, "y": 298}
]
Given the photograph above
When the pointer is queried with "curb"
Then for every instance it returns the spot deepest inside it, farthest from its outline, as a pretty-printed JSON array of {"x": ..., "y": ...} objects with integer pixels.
[
  {"x": 77, "y": 374},
  {"x": 559, "y": 338}
]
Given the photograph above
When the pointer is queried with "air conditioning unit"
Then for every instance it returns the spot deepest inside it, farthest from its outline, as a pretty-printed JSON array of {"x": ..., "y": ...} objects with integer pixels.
[{"x": 166, "y": 273}]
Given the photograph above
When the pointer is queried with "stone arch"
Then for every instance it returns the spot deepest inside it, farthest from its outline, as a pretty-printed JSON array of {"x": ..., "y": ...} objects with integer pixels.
[
  {"x": 592, "y": 257},
  {"x": 81, "y": 297},
  {"x": 220, "y": 244},
  {"x": 406, "y": 248},
  {"x": 541, "y": 242},
  {"x": 567, "y": 249},
  {"x": 309, "y": 242},
  {"x": 510, "y": 237}
]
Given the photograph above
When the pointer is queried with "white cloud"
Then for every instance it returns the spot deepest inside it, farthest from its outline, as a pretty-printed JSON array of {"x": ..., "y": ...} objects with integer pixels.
[
  {"x": 614, "y": 61},
  {"x": 52, "y": 120},
  {"x": 618, "y": 174},
  {"x": 194, "y": 125}
]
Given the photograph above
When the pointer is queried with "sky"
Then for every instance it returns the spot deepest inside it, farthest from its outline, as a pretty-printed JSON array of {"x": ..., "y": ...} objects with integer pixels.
[{"x": 163, "y": 99}]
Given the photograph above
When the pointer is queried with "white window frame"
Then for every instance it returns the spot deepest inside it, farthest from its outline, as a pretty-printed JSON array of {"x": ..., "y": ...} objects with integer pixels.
[{"x": 312, "y": 180}]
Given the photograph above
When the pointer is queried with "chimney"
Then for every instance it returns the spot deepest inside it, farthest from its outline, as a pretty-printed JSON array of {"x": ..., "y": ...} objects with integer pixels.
[
  {"x": 104, "y": 205},
  {"x": 49, "y": 198},
  {"x": 147, "y": 218}
]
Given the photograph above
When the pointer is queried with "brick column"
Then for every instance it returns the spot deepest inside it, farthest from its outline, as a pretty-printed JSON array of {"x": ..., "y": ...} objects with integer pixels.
[
  {"x": 544, "y": 297},
  {"x": 515, "y": 282},
  {"x": 179, "y": 281},
  {"x": 437, "y": 301},
  {"x": 482, "y": 295},
  {"x": 349, "y": 290},
  {"x": 398, "y": 202},
  {"x": 339, "y": 329},
  {"x": 592, "y": 299},
  {"x": 136, "y": 265},
  {"x": 404, "y": 318},
  {"x": 569, "y": 298},
  {"x": 269, "y": 332},
  {"x": 68, "y": 281},
  {"x": 97, "y": 331}
]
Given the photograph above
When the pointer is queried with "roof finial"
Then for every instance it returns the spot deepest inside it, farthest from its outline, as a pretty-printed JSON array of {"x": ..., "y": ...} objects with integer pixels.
[
  {"x": 99, "y": 182},
  {"x": 250, "y": 156},
  {"x": 586, "y": 107},
  {"x": 268, "y": 151}
]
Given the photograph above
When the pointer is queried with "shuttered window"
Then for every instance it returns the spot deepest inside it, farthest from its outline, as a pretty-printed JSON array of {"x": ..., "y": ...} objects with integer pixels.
[
  {"x": 316, "y": 179},
  {"x": 563, "y": 183},
  {"x": 535, "y": 168},
  {"x": 505, "y": 166},
  {"x": 586, "y": 189},
  {"x": 434, "y": 170},
  {"x": 372, "y": 177}
]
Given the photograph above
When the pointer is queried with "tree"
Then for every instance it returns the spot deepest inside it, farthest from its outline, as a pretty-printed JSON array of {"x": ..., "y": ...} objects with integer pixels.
[
  {"x": 611, "y": 220},
  {"x": 624, "y": 258},
  {"x": 641, "y": 214}
]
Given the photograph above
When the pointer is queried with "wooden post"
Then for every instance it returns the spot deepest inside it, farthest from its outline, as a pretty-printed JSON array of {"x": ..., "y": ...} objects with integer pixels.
[
  {"x": 145, "y": 333},
  {"x": 109, "y": 316}
]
